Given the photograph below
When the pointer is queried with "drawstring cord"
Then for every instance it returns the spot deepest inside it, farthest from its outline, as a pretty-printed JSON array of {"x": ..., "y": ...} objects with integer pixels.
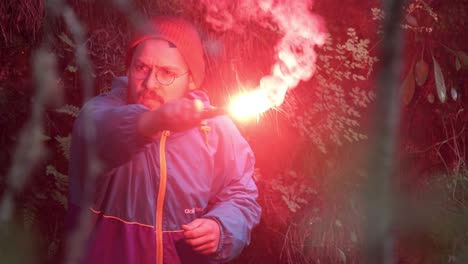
[{"x": 205, "y": 129}]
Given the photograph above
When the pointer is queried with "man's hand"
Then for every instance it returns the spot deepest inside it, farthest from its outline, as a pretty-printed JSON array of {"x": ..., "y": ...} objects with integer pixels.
[
  {"x": 180, "y": 114},
  {"x": 175, "y": 115},
  {"x": 203, "y": 235}
]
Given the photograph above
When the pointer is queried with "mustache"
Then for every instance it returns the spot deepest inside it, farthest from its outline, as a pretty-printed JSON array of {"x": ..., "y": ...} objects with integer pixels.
[{"x": 152, "y": 95}]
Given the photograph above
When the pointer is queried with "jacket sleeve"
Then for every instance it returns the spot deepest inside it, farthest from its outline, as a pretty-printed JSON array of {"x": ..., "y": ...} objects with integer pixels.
[
  {"x": 115, "y": 128},
  {"x": 235, "y": 206}
]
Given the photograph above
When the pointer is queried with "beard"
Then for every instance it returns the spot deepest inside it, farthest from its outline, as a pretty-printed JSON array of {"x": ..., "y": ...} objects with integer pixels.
[{"x": 151, "y": 99}]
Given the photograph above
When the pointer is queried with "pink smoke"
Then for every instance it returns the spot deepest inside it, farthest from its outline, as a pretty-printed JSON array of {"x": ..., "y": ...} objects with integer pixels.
[{"x": 301, "y": 31}]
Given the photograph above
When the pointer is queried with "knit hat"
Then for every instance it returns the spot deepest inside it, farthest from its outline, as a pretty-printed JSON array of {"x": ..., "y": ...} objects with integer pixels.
[{"x": 181, "y": 34}]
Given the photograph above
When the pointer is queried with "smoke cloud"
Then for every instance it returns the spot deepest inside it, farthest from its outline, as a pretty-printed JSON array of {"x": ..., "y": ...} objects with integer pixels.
[{"x": 300, "y": 28}]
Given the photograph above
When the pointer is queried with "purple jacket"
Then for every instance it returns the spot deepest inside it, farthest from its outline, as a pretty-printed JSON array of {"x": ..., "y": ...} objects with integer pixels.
[{"x": 151, "y": 186}]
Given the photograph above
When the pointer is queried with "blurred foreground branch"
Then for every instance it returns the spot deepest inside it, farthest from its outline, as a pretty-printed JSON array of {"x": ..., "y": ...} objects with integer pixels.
[
  {"x": 76, "y": 240},
  {"x": 30, "y": 149},
  {"x": 380, "y": 194}
]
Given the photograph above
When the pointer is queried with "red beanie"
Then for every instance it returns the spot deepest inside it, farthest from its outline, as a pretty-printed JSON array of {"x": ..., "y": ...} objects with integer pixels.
[{"x": 182, "y": 34}]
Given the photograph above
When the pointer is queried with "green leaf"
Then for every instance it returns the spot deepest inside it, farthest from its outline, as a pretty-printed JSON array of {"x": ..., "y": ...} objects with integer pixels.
[
  {"x": 66, "y": 40},
  {"x": 421, "y": 71},
  {"x": 52, "y": 249},
  {"x": 411, "y": 20},
  {"x": 29, "y": 213},
  {"x": 463, "y": 59},
  {"x": 61, "y": 180},
  {"x": 342, "y": 255},
  {"x": 439, "y": 81},
  {"x": 427, "y": 7},
  {"x": 64, "y": 143},
  {"x": 69, "y": 109},
  {"x": 430, "y": 98},
  {"x": 454, "y": 93},
  {"x": 71, "y": 68},
  {"x": 61, "y": 198},
  {"x": 338, "y": 223}
]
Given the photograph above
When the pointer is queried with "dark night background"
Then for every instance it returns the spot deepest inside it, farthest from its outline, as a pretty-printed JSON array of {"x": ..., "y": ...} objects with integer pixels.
[{"x": 311, "y": 152}]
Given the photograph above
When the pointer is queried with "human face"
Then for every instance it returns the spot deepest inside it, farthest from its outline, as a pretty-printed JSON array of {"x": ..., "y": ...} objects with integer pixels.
[{"x": 151, "y": 56}]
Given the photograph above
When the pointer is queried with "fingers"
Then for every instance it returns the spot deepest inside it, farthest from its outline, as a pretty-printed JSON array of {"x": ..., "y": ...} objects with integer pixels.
[
  {"x": 202, "y": 235},
  {"x": 198, "y": 105},
  {"x": 198, "y": 108},
  {"x": 187, "y": 108},
  {"x": 200, "y": 242},
  {"x": 205, "y": 244},
  {"x": 207, "y": 248},
  {"x": 181, "y": 114},
  {"x": 191, "y": 110},
  {"x": 192, "y": 225},
  {"x": 196, "y": 229}
]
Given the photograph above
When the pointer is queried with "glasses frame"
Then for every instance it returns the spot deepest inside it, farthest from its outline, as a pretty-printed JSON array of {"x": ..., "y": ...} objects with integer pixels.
[{"x": 156, "y": 74}]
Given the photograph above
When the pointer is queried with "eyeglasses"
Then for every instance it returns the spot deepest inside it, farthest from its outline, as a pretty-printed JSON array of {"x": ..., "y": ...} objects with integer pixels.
[{"x": 163, "y": 76}]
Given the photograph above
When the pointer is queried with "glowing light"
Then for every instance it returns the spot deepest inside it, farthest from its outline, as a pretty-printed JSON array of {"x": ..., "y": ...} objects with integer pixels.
[
  {"x": 250, "y": 104},
  {"x": 301, "y": 31}
]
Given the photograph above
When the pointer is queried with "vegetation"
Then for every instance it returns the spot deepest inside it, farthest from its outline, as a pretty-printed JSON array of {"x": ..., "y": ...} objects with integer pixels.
[{"x": 311, "y": 179}]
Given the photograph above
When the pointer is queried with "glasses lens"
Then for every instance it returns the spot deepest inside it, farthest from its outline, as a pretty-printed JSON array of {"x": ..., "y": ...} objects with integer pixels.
[
  {"x": 140, "y": 71},
  {"x": 165, "y": 77}
]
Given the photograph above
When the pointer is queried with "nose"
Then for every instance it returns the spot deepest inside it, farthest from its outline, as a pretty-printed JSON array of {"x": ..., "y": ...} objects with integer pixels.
[{"x": 151, "y": 81}]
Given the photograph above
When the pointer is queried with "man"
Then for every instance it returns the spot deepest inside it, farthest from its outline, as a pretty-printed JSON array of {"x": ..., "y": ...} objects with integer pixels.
[{"x": 174, "y": 188}]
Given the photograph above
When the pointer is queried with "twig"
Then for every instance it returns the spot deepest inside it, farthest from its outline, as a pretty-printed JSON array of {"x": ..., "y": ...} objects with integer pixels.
[
  {"x": 438, "y": 144},
  {"x": 30, "y": 149},
  {"x": 77, "y": 239}
]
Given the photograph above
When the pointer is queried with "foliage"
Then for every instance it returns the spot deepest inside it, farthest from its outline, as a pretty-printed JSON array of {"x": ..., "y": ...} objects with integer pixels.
[
  {"x": 293, "y": 190},
  {"x": 25, "y": 17},
  {"x": 64, "y": 143},
  {"x": 61, "y": 184},
  {"x": 341, "y": 94},
  {"x": 422, "y": 22},
  {"x": 311, "y": 207}
]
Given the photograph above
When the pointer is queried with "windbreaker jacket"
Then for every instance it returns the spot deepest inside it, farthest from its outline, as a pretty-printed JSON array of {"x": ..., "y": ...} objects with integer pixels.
[{"x": 151, "y": 186}]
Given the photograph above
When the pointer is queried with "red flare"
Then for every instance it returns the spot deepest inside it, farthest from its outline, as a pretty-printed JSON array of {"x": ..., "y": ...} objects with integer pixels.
[{"x": 249, "y": 105}]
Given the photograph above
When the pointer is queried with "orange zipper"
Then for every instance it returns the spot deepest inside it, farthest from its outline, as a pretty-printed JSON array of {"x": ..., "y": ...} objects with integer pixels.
[{"x": 161, "y": 194}]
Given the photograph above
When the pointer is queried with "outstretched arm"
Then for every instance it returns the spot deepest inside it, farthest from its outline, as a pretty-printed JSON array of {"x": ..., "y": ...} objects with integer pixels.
[
  {"x": 176, "y": 115},
  {"x": 123, "y": 129}
]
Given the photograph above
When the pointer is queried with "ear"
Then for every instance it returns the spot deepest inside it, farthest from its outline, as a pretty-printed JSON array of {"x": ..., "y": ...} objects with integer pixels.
[{"x": 192, "y": 85}]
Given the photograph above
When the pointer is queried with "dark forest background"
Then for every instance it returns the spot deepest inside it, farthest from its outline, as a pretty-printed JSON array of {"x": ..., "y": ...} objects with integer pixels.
[{"x": 312, "y": 151}]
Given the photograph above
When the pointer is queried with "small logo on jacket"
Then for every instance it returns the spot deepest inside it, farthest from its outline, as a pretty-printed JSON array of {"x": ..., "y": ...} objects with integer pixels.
[{"x": 193, "y": 210}]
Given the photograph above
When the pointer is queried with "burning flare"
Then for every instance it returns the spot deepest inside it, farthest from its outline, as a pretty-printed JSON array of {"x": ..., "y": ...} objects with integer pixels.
[
  {"x": 250, "y": 104},
  {"x": 302, "y": 30}
]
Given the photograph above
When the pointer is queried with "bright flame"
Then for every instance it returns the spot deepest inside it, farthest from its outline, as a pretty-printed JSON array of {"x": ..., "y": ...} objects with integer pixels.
[
  {"x": 250, "y": 104},
  {"x": 301, "y": 31}
]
